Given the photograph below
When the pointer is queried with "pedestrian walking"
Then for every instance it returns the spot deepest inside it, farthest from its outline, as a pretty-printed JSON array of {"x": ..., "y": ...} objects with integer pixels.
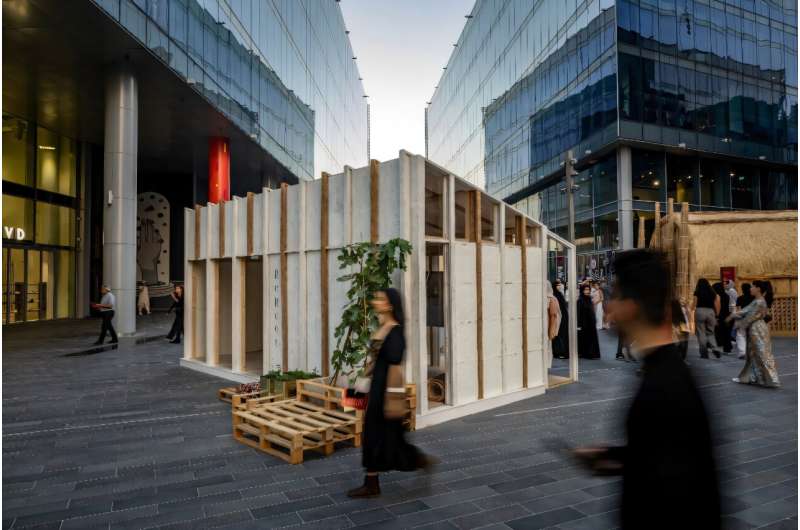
[
  {"x": 706, "y": 308},
  {"x": 143, "y": 304},
  {"x": 553, "y": 321},
  {"x": 561, "y": 342},
  {"x": 597, "y": 301},
  {"x": 723, "y": 330},
  {"x": 669, "y": 477},
  {"x": 759, "y": 369},
  {"x": 681, "y": 326},
  {"x": 106, "y": 307},
  {"x": 605, "y": 289},
  {"x": 741, "y": 334},
  {"x": 588, "y": 344},
  {"x": 384, "y": 447},
  {"x": 730, "y": 288},
  {"x": 175, "y": 332}
]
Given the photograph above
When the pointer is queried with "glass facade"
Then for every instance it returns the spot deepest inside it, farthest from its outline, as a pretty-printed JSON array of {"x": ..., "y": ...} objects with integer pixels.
[
  {"x": 283, "y": 72},
  {"x": 705, "y": 91},
  {"x": 40, "y": 188}
]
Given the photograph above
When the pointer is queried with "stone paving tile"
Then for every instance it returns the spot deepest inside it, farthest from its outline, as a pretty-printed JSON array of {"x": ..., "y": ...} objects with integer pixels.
[
  {"x": 546, "y": 519},
  {"x": 181, "y": 469}
]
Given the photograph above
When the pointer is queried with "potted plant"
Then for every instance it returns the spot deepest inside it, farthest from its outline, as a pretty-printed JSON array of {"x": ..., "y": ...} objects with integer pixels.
[
  {"x": 284, "y": 383},
  {"x": 371, "y": 266}
]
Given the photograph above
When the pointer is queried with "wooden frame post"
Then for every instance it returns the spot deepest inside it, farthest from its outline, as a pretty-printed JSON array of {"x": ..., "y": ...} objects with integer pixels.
[
  {"x": 374, "y": 173},
  {"x": 323, "y": 272},
  {"x": 221, "y": 208},
  {"x": 197, "y": 231},
  {"x": 250, "y": 216},
  {"x": 476, "y": 202},
  {"x": 657, "y": 231},
  {"x": 522, "y": 230},
  {"x": 284, "y": 280}
]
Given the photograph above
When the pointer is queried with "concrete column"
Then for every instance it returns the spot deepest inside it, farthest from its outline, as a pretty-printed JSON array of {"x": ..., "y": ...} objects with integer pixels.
[
  {"x": 119, "y": 176},
  {"x": 624, "y": 193}
]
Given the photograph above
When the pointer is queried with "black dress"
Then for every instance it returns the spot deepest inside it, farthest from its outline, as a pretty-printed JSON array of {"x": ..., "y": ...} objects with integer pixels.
[
  {"x": 384, "y": 445},
  {"x": 561, "y": 341},
  {"x": 723, "y": 330},
  {"x": 588, "y": 344},
  {"x": 177, "y": 325},
  {"x": 669, "y": 477}
]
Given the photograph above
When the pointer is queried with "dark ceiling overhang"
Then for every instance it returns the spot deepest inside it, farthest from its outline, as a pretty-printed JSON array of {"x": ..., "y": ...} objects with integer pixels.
[{"x": 55, "y": 58}]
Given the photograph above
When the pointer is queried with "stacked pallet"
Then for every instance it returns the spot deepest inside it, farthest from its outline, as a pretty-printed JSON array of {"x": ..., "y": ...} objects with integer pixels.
[{"x": 315, "y": 420}]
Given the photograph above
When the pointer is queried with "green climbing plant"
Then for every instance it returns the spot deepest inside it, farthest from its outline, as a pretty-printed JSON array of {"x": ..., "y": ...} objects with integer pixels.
[{"x": 371, "y": 266}]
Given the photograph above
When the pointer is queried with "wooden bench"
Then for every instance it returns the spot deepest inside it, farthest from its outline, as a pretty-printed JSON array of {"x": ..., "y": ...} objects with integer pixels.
[{"x": 287, "y": 429}]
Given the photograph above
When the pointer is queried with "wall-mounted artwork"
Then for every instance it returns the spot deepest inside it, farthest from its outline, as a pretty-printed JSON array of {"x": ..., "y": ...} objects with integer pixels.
[{"x": 152, "y": 238}]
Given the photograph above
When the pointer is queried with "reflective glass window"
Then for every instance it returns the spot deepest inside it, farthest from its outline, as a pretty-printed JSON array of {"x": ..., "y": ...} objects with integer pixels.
[
  {"x": 56, "y": 162},
  {"x": 744, "y": 187},
  {"x": 16, "y": 150},
  {"x": 714, "y": 184},
  {"x": 647, "y": 175},
  {"x": 55, "y": 225},
  {"x": 17, "y": 218}
]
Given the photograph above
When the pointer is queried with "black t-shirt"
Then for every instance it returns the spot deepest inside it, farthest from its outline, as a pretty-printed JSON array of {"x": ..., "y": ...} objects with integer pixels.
[{"x": 705, "y": 300}]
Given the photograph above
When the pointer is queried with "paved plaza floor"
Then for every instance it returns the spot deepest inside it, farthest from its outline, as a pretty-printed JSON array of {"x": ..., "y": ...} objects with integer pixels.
[{"x": 128, "y": 439}]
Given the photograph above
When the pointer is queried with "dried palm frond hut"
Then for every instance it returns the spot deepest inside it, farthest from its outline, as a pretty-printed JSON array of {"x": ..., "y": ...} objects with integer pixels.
[{"x": 759, "y": 244}]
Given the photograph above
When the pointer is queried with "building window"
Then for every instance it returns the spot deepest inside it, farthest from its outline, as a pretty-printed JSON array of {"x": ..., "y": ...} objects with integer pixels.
[
  {"x": 16, "y": 150},
  {"x": 56, "y": 162},
  {"x": 744, "y": 188},
  {"x": 55, "y": 225},
  {"x": 715, "y": 184},
  {"x": 17, "y": 218},
  {"x": 681, "y": 178},
  {"x": 773, "y": 190},
  {"x": 647, "y": 176}
]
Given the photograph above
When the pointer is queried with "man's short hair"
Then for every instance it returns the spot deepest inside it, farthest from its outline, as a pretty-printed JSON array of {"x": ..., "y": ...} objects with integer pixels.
[{"x": 643, "y": 276}]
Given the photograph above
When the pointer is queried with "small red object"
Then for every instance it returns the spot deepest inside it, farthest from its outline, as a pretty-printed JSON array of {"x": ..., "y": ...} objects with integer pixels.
[{"x": 358, "y": 403}]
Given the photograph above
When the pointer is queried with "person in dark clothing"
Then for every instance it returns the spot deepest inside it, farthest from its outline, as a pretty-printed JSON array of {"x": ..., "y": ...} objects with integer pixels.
[
  {"x": 669, "y": 477},
  {"x": 107, "y": 306},
  {"x": 706, "y": 309},
  {"x": 174, "y": 335},
  {"x": 384, "y": 447},
  {"x": 588, "y": 344},
  {"x": 561, "y": 342},
  {"x": 723, "y": 330}
]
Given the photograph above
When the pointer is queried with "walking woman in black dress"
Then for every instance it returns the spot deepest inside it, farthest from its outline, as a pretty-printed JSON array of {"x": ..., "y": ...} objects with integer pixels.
[
  {"x": 384, "y": 445},
  {"x": 588, "y": 344},
  {"x": 561, "y": 342}
]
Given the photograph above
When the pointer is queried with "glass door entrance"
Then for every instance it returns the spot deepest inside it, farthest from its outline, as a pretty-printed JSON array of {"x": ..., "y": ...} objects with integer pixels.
[{"x": 29, "y": 285}]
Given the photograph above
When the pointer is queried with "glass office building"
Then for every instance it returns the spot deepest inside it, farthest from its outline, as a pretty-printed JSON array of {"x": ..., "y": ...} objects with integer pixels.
[
  {"x": 694, "y": 100},
  {"x": 284, "y": 72},
  {"x": 276, "y": 80}
]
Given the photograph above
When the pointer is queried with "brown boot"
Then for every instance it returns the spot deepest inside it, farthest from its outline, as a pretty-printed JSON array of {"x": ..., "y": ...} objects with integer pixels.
[{"x": 371, "y": 488}]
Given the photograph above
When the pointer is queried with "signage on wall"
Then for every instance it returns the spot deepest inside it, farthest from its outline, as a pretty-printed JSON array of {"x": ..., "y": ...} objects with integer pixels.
[
  {"x": 12, "y": 232},
  {"x": 727, "y": 273}
]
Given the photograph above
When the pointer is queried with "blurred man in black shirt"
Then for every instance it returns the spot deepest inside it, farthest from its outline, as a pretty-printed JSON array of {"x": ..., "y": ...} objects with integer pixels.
[{"x": 668, "y": 470}]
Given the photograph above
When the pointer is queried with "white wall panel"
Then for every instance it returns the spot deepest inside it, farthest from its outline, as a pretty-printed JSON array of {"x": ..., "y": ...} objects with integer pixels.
[
  {"x": 272, "y": 293},
  {"x": 314, "y": 312},
  {"x": 313, "y": 214},
  {"x": 188, "y": 234},
  {"x": 294, "y": 217},
  {"x": 339, "y": 208},
  {"x": 241, "y": 226},
  {"x": 259, "y": 229},
  {"x": 213, "y": 229},
  {"x": 231, "y": 227},
  {"x": 360, "y": 204},
  {"x": 390, "y": 191},
  {"x": 274, "y": 222}
]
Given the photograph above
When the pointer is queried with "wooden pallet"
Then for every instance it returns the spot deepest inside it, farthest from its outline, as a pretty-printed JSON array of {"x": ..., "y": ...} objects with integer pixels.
[{"x": 287, "y": 429}]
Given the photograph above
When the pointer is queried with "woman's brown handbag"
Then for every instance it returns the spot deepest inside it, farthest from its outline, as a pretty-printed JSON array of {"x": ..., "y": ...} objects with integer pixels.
[{"x": 394, "y": 403}]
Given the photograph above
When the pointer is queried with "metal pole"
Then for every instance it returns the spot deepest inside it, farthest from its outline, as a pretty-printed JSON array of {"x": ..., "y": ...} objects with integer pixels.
[{"x": 569, "y": 172}]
